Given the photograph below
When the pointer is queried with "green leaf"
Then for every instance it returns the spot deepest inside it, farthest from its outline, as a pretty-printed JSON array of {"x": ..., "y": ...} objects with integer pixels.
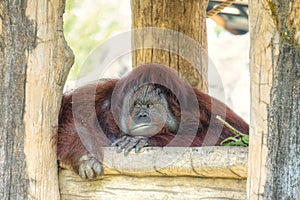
[{"x": 240, "y": 139}]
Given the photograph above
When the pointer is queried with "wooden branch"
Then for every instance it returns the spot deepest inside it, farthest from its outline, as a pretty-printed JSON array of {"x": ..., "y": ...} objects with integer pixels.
[{"x": 164, "y": 172}]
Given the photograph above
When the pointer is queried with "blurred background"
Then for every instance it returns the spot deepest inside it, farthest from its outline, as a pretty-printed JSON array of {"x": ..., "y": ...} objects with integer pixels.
[{"x": 89, "y": 23}]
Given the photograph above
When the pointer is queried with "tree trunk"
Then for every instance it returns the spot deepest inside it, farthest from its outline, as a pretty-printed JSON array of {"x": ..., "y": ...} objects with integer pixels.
[
  {"x": 34, "y": 63},
  {"x": 172, "y": 33},
  {"x": 275, "y": 84}
]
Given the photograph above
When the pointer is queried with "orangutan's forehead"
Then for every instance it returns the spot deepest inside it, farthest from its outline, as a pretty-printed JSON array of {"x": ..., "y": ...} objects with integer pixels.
[{"x": 146, "y": 91}]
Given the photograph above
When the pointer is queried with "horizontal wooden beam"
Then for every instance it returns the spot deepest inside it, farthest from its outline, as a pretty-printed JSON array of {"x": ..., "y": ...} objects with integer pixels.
[
  {"x": 221, "y": 162},
  {"x": 187, "y": 173},
  {"x": 218, "y": 162}
]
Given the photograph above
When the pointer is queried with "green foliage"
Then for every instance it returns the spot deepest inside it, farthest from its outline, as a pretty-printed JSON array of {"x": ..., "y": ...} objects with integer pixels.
[
  {"x": 240, "y": 139},
  {"x": 87, "y": 24}
]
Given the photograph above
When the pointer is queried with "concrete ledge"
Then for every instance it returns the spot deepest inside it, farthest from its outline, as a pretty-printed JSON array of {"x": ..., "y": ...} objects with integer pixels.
[{"x": 164, "y": 173}]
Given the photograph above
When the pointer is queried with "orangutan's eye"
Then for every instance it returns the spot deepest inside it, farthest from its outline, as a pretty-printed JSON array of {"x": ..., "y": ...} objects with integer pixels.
[
  {"x": 149, "y": 105},
  {"x": 137, "y": 105}
]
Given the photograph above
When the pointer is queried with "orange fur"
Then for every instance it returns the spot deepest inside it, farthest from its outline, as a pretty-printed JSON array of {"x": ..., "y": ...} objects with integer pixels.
[{"x": 92, "y": 104}]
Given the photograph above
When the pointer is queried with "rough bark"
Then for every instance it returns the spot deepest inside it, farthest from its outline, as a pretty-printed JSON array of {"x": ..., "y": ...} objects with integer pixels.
[
  {"x": 275, "y": 85},
  {"x": 283, "y": 160},
  {"x": 14, "y": 184},
  {"x": 34, "y": 61},
  {"x": 177, "y": 38}
]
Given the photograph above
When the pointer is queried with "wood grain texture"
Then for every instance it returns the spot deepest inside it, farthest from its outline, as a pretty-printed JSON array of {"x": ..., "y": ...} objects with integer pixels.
[
  {"x": 35, "y": 60},
  {"x": 274, "y": 134},
  {"x": 172, "y": 33},
  {"x": 195, "y": 173},
  {"x": 262, "y": 52},
  {"x": 48, "y": 63}
]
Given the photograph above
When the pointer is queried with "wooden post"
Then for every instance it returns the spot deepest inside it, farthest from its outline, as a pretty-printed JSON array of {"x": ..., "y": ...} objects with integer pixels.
[
  {"x": 34, "y": 63},
  {"x": 275, "y": 87},
  {"x": 179, "y": 29}
]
